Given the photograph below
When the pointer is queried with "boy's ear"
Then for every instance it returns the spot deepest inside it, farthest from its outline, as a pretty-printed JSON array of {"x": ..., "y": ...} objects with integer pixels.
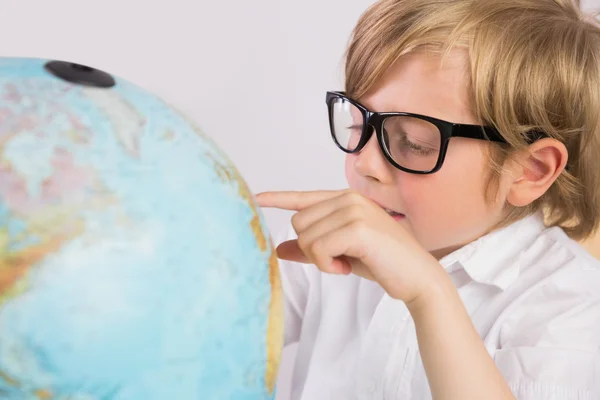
[{"x": 538, "y": 168}]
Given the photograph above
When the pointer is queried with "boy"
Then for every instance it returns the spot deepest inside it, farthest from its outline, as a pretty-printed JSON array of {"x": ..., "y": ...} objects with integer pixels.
[{"x": 450, "y": 269}]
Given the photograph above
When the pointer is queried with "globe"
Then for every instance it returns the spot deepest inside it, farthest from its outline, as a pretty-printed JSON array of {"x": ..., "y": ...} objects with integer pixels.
[{"x": 134, "y": 261}]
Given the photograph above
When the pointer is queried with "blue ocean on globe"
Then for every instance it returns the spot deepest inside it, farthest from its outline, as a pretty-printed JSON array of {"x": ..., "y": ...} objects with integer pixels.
[{"x": 134, "y": 262}]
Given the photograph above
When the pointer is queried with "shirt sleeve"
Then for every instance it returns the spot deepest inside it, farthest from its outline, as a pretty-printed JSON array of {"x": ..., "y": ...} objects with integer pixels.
[
  {"x": 550, "y": 344},
  {"x": 295, "y": 286}
]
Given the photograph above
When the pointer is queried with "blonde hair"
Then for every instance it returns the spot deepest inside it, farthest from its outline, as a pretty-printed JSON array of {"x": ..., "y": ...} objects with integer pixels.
[{"x": 534, "y": 65}]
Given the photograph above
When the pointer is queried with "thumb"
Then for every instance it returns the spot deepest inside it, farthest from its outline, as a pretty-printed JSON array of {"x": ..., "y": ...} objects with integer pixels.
[{"x": 290, "y": 251}]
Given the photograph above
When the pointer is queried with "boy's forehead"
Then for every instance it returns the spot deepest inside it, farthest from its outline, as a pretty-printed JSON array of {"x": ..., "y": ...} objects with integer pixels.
[{"x": 424, "y": 83}]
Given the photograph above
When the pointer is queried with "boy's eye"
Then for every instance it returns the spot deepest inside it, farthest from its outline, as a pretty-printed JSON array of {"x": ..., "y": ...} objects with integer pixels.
[
  {"x": 419, "y": 150},
  {"x": 401, "y": 143},
  {"x": 409, "y": 136}
]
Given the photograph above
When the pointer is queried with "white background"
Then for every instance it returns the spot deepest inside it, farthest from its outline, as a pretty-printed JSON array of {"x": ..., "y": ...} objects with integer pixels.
[{"x": 252, "y": 74}]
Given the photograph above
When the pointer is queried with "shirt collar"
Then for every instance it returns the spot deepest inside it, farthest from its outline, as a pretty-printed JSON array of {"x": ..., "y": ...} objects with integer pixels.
[{"x": 494, "y": 259}]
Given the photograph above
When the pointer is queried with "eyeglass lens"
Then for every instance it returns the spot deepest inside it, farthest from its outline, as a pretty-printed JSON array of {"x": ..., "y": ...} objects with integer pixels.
[{"x": 413, "y": 143}]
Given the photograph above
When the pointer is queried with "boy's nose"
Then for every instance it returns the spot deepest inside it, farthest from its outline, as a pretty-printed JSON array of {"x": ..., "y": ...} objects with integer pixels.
[{"x": 371, "y": 163}]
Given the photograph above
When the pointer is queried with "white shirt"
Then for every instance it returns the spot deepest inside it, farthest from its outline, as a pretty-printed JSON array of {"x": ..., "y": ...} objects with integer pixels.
[{"x": 533, "y": 295}]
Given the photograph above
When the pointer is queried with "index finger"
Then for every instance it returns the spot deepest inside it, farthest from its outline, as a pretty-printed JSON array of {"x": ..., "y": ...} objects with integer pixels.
[{"x": 294, "y": 200}]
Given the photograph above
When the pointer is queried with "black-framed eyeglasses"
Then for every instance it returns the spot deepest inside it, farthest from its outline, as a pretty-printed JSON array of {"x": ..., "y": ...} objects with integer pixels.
[{"x": 410, "y": 142}]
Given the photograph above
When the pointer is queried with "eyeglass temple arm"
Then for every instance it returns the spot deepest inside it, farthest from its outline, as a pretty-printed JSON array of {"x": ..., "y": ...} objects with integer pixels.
[{"x": 478, "y": 132}]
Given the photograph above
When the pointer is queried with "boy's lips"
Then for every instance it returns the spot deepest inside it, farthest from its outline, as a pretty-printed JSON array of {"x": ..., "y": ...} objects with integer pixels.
[{"x": 394, "y": 214}]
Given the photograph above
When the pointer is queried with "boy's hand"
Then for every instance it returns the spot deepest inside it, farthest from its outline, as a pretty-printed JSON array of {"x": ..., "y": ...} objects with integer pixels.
[{"x": 342, "y": 232}]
